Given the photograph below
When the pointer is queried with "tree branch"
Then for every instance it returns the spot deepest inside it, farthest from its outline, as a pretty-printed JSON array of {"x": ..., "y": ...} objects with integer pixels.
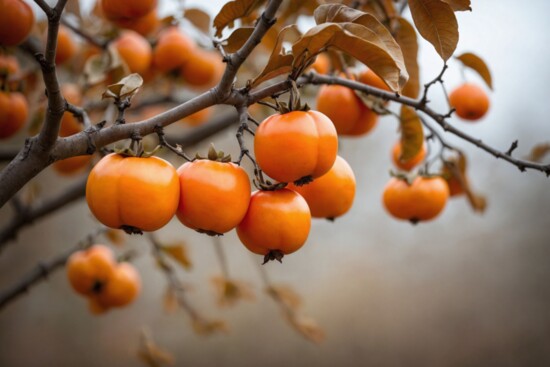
[{"x": 43, "y": 270}]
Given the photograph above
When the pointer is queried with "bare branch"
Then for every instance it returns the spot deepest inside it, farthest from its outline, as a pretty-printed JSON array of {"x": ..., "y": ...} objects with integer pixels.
[{"x": 44, "y": 269}]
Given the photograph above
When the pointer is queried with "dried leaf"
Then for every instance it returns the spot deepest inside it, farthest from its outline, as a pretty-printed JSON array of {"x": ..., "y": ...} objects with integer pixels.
[
  {"x": 297, "y": 7},
  {"x": 170, "y": 300},
  {"x": 208, "y": 327},
  {"x": 412, "y": 134},
  {"x": 477, "y": 64},
  {"x": 179, "y": 253},
  {"x": 279, "y": 62},
  {"x": 307, "y": 327},
  {"x": 373, "y": 32},
  {"x": 199, "y": 18},
  {"x": 405, "y": 35},
  {"x": 237, "y": 39},
  {"x": 106, "y": 64},
  {"x": 73, "y": 7},
  {"x": 539, "y": 152},
  {"x": 436, "y": 22},
  {"x": 153, "y": 355},
  {"x": 232, "y": 11},
  {"x": 285, "y": 294},
  {"x": 126, "y": 87},
  {"x": 459, "y": 5},
  {"x": 455, "y": 174},
  {"x": 116, "y": 236},
  {"x": 230, "y": 291}
]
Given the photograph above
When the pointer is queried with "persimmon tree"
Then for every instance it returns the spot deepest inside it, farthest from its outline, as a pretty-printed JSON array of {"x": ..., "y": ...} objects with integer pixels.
[{"x": 97, "y": 91}]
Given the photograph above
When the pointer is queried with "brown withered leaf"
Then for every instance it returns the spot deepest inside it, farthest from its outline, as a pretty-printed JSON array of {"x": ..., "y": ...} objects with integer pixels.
[
  {"x": 285, "y": 294},
  {"x": 232, "y": 11},
  {"x": 279, "y": 62},
  {"x": 116, "y": 236},
  {"x": 106, "y": 64},
  {"x": 237, "y": 39},
  {"x": 125, "y": 87},
  {"x": 205, "y": 327},
  {"x": 229, "y": 292},
  {"x": 153, "y": 355},
  {"x": 199, "y": 19},
  {"x": 374, "y": 32},
  {"x": 405, "y": 35},
  {"x": 170, "y": 300},
  {"x": 292, "y": 9},
  {"x": 73, "y": 7},
  {"x": 412, "y": 134},
  {"x": 454, "y": 172},
  {"x": 476, "y": 63},
  {"x": 539, "y": 152},
  {"x": 459, "y": 5},
  {"x": 180, "y": 253},
  {"x": 307, "y": 327},
  {"x": 436, "y": 22}
]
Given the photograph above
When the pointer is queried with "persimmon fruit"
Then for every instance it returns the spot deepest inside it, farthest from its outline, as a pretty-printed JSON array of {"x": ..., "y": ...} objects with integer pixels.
[
  {"x": 8, "y": 65},
  {"x": 296, "y": 146},
  {"x": 369, "y": 77},
  {"x": 117, "y": 9},
  {"x": 66, "y": 45},
  {"x": 277, "y": 223},
  {"x": 133, "y": 193},
  {"x": 470, "y": 101},
  {"x": 203, "y": 69},
  {"x": 214, "y": 196},
  {"x": 410, "y": 163},
  {"x": 332, "y": 194},
  {"x": 422, "y": 200},
  {"x": 16, "y": 21},
  {"x": 14, "y": 111},
  {"x": 173, "y": 50},
  {"x": 135, "y": 50}
]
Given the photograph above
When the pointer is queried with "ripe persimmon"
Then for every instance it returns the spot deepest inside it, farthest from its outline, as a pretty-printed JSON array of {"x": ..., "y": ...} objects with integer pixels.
[
  {"x": 341, "y": 106},
  {"x": 214, "y": 195},
  {"x": 70, "y": 124},
  {"x": 365, "y": 123},
  {"x": 144, "y": 25},
  {"x": 94, "y": 273},
  {"x": 410, "y": 163},
  {"x": 173, "y": 50},
  {"x": 90, "y": 269},
  {"x": 121, "y": 288},
  {"x": 296, "y": 145},
  {"x": 72, "y": 165},
  {"x": 277, "y": 223},
  {"x": 135, "y": 51},
  {"x": 421, "y": 200},
  {"x": 332, "y": 194},
  {"x": 66, "y": 45},
  {"x": 199, "y": 117},
  {"x": 203, "y": 69},
  {"x": 16, "y": 21},
  {"x": 470, "y": 101},
  {"x": 321, "y": 64},
  {"x": 14, "y": 111},
  {"x": 116, "y": 10},
  {"x": 133, "y": 193},
  {"x": 8, "y": 65},
  {"x": 368, "y": 77}
]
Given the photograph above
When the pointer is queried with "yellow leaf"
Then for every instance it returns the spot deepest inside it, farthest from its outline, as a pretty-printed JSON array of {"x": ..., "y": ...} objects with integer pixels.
[
  {"x": 405, "y": 35},
  {"x": 232, "y": 11},
  {"x": 307, "y": 327},
  {"x": 170, "y": 300},
  {"x": 412, "y": 134},
  {"x": 476, "y": 63},
  {"x": 179, "y": 253},
  {"x": 436, "y": 22}
]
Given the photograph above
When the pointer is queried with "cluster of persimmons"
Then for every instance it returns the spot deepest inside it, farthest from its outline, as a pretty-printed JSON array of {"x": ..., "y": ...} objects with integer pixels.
[{"x": 296, "y": 148}]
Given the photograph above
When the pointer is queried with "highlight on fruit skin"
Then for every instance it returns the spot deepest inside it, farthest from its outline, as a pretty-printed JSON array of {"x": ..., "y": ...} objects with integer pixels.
[
  {"x": 469, "y": 101},
  {"x": 421, "y": 200}
]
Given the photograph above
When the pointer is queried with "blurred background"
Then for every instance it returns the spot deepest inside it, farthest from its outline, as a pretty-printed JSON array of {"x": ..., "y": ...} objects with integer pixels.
[{"x": 463, "y": 290}]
